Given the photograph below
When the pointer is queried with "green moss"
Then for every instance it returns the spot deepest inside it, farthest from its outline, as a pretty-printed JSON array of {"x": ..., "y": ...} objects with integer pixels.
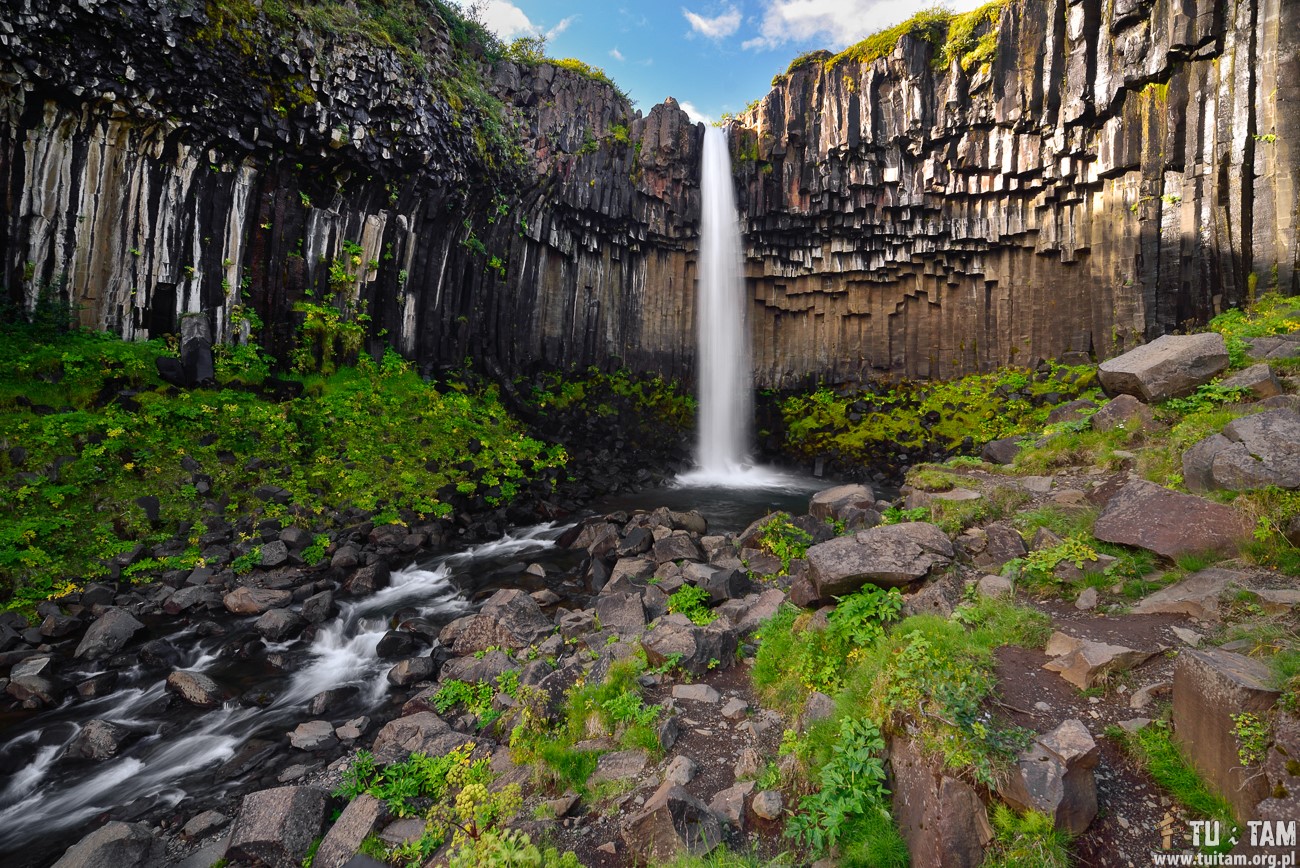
[
  {"x": 928, "y": 25},
  {"x": 972, "y": 38}
]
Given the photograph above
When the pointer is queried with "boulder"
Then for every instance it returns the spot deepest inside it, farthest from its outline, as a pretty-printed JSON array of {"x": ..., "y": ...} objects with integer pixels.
[
  {"x": 622, "y": 765},
  {"x": 729, "y": 804},
  {"x": 623, "y": 613},
  {"x": 1196, "y": 596},
  {"x": 599, "y": 538},
  {"x": 1198, "y": 463},
  {"x": 1262, "y": 450},
  {"x": 942, "y": 818},
  {"x": 108, "y": 635},
  {"x": 424, "y": 732},
  {"x": 636, "y": 541},
  {"x": 188, "y": 597},
  {"x": 255, "y": 601},
  {"x": 1258, "y": 379},
  {"x": 1168, "y": 523},
  {"x": 1123, "y": 411},
  {"x": 114, "y": 845},
  {"x": 1209, "y": 688},
  {"x": 98, "y": 740},
  {"x": 510, "y": 618},
  {"x": 276, "y": 625},
  {"x": 673, "y": 823},
  {"x": 888, "y": 556},
  {"x": 317, "y": 608},
  {"x": 995, "y": 586},
  {"x": 991, "y": 547},
  {"x": 1003, "y": 451},
  {"x": 696, "y": 649},
  {"x": 344, "y": 838},
  {"x": 367, "y": 580},
  {"x": 195, "y": 688},
  {"x": 313, "y": 735},
  {"x": 681, "y": 770},
  {"x": 1169, "y": 367},
  {"x": 203, "y": 824},
  {"x": 274, "y": 553},
  {"x": 276, "y": 827},
  {"x": 1083, "y": 662},
  {"x": 677, "y": 547},
  {"x": 696, "y": 693},
  {"x": 1054, "y": 776},
  {"x": 832, "y": 502},
  {"x": 767, "y": 805},
  {"x": 752, "y": 611},
  {"x": 1070, "y": 411},
  {"x": 411, "y": 670}
]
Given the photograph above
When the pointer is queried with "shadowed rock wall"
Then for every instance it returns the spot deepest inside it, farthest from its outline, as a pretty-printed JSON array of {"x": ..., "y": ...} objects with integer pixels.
[{"x": 1121, "y": 168}]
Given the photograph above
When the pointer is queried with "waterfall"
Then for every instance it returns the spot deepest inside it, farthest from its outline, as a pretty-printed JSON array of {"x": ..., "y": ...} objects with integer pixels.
[{"x": 723, "y": 356}]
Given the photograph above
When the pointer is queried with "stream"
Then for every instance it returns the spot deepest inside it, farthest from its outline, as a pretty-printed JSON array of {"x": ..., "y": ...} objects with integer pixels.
[{"x": 178, "y": 753}]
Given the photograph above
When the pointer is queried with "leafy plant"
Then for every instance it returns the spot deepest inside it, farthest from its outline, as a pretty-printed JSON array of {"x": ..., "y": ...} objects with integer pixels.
[
  {"x": 692, "y": 602},
  {"x": 245, "y": 562},
  {"x": 852, "y": 783},
  {"x": 1253, "y": 734},
  {"x": 782, "y": 539}
]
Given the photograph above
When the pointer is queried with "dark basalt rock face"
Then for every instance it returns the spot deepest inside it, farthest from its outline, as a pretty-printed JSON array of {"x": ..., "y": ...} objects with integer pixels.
[{"x": 1118, "y": 170}]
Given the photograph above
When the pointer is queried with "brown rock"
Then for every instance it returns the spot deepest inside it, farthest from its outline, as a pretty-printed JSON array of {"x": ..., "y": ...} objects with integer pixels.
[
  {"x": 673, "y": 823},
  {"x": 1170, "y": 524},
  {"x": 276, "y": 827},
  {"x": 1055, "y": 776},
  {"x": 1209, "y": 688},
  {"x": 255, "y": 601},
  {"x": 1123, "y": 411},
  {"x": 344, "y": 838},
  {"x": 1169, "y": 367},
  {"x": 942, "y": 819}
]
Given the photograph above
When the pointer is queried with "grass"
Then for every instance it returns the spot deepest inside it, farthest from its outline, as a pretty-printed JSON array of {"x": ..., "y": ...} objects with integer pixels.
[
  {"x": 1029, "y": 840},
  {"x": 1154, "y": 748}
]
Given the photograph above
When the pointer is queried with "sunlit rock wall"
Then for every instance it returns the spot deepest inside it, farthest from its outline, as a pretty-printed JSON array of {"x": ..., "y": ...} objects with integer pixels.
[{"x": 1124, "y": 167}]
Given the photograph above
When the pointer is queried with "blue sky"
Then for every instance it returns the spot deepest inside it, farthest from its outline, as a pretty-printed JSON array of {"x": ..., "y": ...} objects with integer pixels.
[{"x": 713, "y": 56}]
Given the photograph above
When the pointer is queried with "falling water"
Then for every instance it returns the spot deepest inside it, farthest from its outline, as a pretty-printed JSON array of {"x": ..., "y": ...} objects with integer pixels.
[{"x": 723, "y": 348}]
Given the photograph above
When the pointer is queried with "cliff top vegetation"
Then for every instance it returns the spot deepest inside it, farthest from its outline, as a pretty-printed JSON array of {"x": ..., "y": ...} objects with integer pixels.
[{"x": 969, "y": 38}]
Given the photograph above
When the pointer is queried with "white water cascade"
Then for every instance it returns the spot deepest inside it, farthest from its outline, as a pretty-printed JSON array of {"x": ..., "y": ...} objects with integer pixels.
[
  {"x": 723, "y": 331},
  {"x": 722, "y": 349}
]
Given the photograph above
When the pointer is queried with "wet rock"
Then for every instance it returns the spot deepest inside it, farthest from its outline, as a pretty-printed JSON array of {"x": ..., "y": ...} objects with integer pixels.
[
  {"x": 255, "y": 601},
  {"x": 1171, "y": 366},
  {"x": 1083, "y": 662},
  {"x": 277, "y": 625},
  {"x": 33, "y": 690},
  {"x": 56, "y": 626},
  {"x": 98, "y": 685},
  {"x": 202, "y": 825},
  {"x": 345, "y": 558},
  {"x": 1210, "y": 687},
  {"x": 411, "y": 670},
  {"x": 313, "y": 735},
  {"x": 98, "y": 740},
  {"x": 317, "y": 608},
  {"x": 189, "y": 597},
  {"x": 367, "y": 580},
  {"x": 114, "y": 845},
  {"x": 398, "y": 643},
  {"x": 343, "y": 840},
  {"x": 673, "y": 823},
  {"x": 1054, "y": 776},
  {"x": 108, "y": 634},
  {"x": 328, "y": 702},
  {"x": 195, "y": 688},
  {"x": 598, "y": 538},
  {"x": 887, "y": 556},
  {"x": 276, "y": 827},
  {"x": 1168, "y": 523}
]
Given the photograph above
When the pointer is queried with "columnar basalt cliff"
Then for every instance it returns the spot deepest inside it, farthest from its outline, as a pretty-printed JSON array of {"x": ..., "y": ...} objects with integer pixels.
[{"x": 1119, "y": 168}]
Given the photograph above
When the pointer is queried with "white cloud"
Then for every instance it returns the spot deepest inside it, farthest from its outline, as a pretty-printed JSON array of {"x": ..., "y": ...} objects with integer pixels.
[
  {"x": 696, "y": 116},
  {"x": 717, "y": 27},
  {"x": 616, "y": 54},
  {"x": 561, "y": 27},
  {"x": 835, "y": 23},
  {"x": 509, "y": 22}
]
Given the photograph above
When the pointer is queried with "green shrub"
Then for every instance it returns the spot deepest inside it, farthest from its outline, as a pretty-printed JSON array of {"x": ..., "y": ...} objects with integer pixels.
[
  {"x": 782, "y": 539},
  {"x": 693, "y": 602}
]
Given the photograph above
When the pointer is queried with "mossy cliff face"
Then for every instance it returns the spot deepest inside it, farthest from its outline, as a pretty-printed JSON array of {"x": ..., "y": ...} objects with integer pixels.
[{"x": 1097, "y": 174}]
